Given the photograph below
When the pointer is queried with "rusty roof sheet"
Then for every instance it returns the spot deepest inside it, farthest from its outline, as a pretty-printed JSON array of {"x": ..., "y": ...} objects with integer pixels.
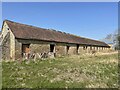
[{"x": 24, "y": 31}]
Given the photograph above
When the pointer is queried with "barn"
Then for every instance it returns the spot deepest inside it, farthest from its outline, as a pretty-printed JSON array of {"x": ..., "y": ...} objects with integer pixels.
[{"x": 19, "y": 39}]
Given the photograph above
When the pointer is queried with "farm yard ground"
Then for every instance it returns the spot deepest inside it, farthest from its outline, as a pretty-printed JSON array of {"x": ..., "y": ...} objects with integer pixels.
[{"x": 77, "y": 71}]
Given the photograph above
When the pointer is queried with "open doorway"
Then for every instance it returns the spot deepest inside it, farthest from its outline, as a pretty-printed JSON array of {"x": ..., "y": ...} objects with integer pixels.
[
  {"x": 68, "y": 47},
  {"x": 25, "y": 48},
  {"x": 77, "y": 49},
  {"x": 52, "y": 46}
]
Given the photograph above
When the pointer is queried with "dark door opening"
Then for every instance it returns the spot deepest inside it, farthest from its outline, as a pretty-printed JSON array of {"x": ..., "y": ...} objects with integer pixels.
[
  {"x": 90, "y": 47},
  {"x": 68, "y": 48},
  {"x": 84, "y": 47},
  {"x": 52, "y": 47},
  {"x": 77, "y": 48}
]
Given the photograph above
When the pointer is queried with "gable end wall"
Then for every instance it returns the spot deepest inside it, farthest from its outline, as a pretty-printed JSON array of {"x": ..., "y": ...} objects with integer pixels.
[{"x": 8, "y": 39}]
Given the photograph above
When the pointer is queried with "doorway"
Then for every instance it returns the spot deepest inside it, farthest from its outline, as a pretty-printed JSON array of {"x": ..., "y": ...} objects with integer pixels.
[
  {"x": 77, "y": 49},
  {"x": 68, "y": 47},
  {"x": 25, "y": 48},
  {"x": 52, "y": 46}
]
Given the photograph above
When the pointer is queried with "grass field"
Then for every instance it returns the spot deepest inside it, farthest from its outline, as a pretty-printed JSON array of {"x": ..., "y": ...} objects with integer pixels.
[{"x": 78, "y": 71}]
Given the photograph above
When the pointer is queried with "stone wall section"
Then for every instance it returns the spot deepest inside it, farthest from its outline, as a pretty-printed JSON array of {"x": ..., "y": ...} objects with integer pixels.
[
  {"x": 18, "y": 49},
  {"x": 44, "y": 47},
  {"x": 6, "y": 47},
  {"x": 60, "y": 50},
  {"x": 72, "y": 50},
  {"x": 12, "y": 46},
  {"x": 39, "y": 48}
]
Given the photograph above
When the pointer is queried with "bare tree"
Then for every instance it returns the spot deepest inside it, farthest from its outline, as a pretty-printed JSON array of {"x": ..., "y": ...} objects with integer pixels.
[{"x": 116, "y": 40}]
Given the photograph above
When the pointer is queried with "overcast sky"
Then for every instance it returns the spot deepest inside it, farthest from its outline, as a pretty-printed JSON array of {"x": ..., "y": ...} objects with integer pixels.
[{"x": 91, "y": 20}]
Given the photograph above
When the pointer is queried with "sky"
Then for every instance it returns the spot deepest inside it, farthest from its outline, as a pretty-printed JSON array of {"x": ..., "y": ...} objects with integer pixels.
[{"x": 92, "y": 20}]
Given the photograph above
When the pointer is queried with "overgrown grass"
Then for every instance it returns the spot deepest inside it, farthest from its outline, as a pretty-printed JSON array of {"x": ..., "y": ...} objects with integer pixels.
[{"x": 66, "y": 72}]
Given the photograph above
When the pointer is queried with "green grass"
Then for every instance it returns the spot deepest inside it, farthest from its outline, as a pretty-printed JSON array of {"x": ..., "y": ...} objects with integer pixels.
[{"x": 76, "y": 71}]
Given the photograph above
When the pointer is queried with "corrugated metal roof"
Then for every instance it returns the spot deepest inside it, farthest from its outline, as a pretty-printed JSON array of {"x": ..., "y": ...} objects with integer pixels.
[{"x": 23, "y": 31}]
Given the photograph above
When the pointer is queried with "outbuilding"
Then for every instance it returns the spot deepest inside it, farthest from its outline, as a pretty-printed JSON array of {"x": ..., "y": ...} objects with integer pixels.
[{"x": 19, "y": 39}]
